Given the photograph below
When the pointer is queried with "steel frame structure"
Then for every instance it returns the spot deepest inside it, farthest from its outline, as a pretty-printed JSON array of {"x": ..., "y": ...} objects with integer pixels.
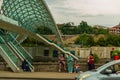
[{"x": 30, "y": 14}]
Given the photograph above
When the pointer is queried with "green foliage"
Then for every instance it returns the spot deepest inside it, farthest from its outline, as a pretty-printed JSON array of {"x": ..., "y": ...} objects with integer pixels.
[
  {"x": 68, "y": 30},
  {"x": 116, "y": 51},
  {"x": 100, "y": 31},
  {"x": 113, "y": 40},
  {"x": 85, "y": 40},
  {"x": 101, "y": 41},
  {"x": 30, "y": 42},
  {"x": 107, "y": 40},
  {"x": 110, "y": 39},
  {"x": 83, "y": 27},
  {"x": 96, "y": 58},
  {"x": 44, "y": 30}
]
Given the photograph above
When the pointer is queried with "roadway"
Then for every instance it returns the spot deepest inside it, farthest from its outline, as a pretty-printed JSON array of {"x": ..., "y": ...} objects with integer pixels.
[{"x": 6, "y": 75}]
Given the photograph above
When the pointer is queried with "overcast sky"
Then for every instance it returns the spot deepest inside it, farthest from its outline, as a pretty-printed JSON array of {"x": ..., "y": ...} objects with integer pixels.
[
  {"x": 95, "y": 12},
  {"x": 0, "y": 3}
]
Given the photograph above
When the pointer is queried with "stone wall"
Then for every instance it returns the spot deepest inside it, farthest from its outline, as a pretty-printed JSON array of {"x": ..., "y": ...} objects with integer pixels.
[
  {"x": 3, "y": 66},
  {"x": 53, "y": 66},
  {"x": 102, "y": 52},
  {"x": 47, "y": 66}
]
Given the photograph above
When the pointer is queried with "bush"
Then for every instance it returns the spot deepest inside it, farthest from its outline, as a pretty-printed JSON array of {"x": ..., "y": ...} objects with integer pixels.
[
  {"x": 96, "y": 58},
  {"x": 116, "y": 51}
]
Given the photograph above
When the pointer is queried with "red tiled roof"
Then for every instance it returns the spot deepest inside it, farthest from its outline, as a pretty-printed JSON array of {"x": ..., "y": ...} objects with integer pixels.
[
  {"x": 112, "y": 28},
  {"x": 117, "y": 26}
]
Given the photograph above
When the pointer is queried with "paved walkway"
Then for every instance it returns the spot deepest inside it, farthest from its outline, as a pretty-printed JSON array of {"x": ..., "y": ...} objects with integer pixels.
[{"x": 37, "y": 75}]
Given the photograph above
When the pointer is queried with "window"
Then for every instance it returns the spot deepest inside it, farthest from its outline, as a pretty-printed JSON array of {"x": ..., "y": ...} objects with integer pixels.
[
  {"x": 113, "y": 68},
  {"x": 55, "y": 53},
  {"x": 46, "y": 52}
]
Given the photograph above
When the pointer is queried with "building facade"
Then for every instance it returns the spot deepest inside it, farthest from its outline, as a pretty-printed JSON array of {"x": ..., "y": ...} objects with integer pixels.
[{"x": 115, "y": 29}]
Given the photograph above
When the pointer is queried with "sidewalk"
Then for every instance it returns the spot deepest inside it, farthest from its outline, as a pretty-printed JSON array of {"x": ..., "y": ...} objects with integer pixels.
[{"x": 37, "y": 75}]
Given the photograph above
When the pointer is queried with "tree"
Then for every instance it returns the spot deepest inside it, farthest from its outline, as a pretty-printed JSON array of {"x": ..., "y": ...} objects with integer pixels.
[
  {"x": 85, "y": 40},
  {"x": 101, "y": 41},
  {"x": 84, "y": 27},
  {"x": 99, "y": 31},
  {"x": 44, "y": 30},
  {"x": 116, "y": 51},
  {"x": 110, "y": 39}
]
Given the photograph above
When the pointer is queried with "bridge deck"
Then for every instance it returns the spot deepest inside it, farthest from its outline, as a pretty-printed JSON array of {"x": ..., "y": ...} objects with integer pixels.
[{"x": 37, "y": 75}]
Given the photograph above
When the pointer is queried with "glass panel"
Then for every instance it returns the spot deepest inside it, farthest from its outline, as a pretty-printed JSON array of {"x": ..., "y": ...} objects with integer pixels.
[{"x": 23, "y": 10}]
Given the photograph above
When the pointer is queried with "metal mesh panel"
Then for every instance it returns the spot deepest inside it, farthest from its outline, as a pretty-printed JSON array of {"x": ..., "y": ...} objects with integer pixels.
[{"x": 30, "y": 14}]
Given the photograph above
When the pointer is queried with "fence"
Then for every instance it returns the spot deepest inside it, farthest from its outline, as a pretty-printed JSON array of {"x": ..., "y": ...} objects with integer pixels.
[{"x": 102, "y": 52}]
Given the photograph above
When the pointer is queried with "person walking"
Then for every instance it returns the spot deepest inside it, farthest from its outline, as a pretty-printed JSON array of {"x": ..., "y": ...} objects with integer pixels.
[
  {"x": 111, "y": 54},
  {"x": 91, "y": 62},
  {"x": 116, "y": 56},
  {"x": 61, "y": 62},
  {"x": 25, "y": 65},
  {"x": 70, "y": 61},
  {"x": 76, "y": 68}
]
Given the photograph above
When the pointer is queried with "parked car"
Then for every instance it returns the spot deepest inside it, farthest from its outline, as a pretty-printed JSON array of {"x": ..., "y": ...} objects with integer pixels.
[{"x": 108, "y": 71}]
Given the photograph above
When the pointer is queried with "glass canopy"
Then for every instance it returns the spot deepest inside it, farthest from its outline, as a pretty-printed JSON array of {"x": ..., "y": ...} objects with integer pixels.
[{"x": 30, "y": 14}]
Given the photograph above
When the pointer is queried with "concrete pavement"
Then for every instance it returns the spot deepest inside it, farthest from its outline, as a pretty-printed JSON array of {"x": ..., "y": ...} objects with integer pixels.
[{"x": 37, "y": 75}]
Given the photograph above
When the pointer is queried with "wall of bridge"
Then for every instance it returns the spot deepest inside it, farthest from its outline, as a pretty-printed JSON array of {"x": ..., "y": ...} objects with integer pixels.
[
  {"x": 102, "y": 52},
  {"x": 49, "y": 66},
  {"x": 52, "y": 66}
]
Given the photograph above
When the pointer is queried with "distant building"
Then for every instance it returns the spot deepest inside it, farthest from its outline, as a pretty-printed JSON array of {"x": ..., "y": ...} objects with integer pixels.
[
  {"x": 115, "y": 29},
  {"x": 61, "y": 25},
  {"x": 99, "y": 26},
  {"x": 68, "y": 24}
]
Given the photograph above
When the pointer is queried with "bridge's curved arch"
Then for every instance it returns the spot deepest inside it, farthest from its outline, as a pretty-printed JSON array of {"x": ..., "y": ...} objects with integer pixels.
[
  {"x": 23, "y": 17},
  {"x": 30, "y": 14}
]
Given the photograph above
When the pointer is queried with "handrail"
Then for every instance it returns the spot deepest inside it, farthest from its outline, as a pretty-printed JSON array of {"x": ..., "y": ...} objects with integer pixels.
[
  {"x": 19, "y": 51},
  {"x": 23, "y": 57},
  {"x": 15, "y": 49},
  {"x": 10, "y": 59},
  {"x": 61, "y": 49},
  {"x": 5, "y": 43},
  {"x": 21, "y": 46}
]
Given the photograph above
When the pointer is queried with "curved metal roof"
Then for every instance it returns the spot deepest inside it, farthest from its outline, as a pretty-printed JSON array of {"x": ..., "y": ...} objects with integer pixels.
[{"x": 30, "y": 14}]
